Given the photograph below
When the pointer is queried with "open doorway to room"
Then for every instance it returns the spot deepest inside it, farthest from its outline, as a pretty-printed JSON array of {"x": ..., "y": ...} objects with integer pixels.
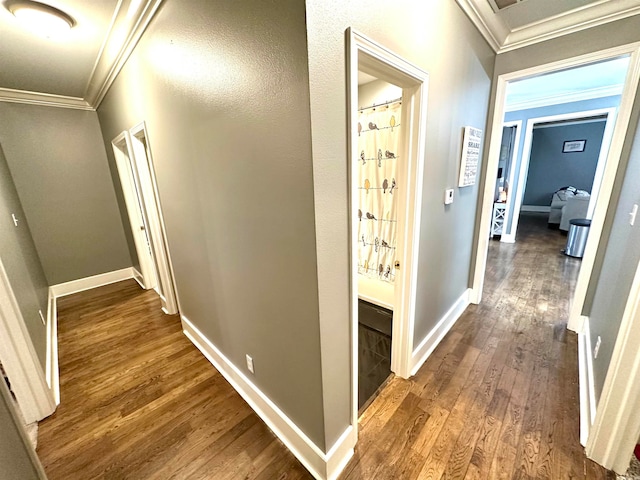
[
  {"x": 621, "y": 63},
  {"x": 568, "y": 119},
  {"x": 379, "y": 138},
  {"x": 387, "y": 120}
]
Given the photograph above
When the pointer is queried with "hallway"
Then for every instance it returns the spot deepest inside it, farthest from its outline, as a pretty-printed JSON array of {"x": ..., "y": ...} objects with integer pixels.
[{"x": 497, "y": 399}]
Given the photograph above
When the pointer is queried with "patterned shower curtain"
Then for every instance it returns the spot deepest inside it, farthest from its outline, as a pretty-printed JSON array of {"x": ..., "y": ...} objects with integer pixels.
[{"x": 378, "y": 140}]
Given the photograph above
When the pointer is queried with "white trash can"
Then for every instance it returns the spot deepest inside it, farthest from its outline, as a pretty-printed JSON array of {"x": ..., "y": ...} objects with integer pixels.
[{"x": 577, "y": 237}]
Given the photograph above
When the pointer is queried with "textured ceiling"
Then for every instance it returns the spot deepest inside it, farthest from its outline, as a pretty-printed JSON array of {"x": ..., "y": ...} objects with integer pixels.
[
  {"x": 61, "y": 67},
  {"x": 77, "y": 69}
]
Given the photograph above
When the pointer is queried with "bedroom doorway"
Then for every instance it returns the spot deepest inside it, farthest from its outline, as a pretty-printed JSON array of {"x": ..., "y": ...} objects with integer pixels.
[
  {"x": 627, "y": 92},
  {"x": 515, "y": 96},
  {"x": 545, "y": 169}
]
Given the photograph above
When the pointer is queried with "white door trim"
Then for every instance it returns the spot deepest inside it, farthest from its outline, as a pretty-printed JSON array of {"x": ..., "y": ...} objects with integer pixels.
[
  {"x": 372, "y": 58},
  {"x": 510, "y": 236},
  {"x": 20, "y": 360},
  {"x": 122, "y": 152},
  {"x": 613, "y": 159},
  {"x": 153, "y": 209},
  {"x": 505, "y": 238},
  {"x": 616, "y": 428}
]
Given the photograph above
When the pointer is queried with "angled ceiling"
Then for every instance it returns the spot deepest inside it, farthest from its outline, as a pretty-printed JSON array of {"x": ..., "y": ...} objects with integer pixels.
[
  {"x": 511, "y": 24},
  {"x": 77, "y": 70}
]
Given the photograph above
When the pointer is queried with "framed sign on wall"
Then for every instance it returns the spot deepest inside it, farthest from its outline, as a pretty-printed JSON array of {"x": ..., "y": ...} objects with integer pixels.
[
  {"x": 571, "y": 146},
  {"x": 470, "y": 156}
]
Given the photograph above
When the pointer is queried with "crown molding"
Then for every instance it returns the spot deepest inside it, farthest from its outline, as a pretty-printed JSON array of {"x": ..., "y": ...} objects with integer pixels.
[
  {"x": 502, "y": 39},
  {"x": 124, "y": 32},
  {"x": 45, "y": 99},
  {"x": 589, "y": 94}
]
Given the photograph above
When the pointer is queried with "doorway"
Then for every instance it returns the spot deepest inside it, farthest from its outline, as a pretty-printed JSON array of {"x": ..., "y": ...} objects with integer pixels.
[
  {"x": 372, "y": 59},
  {"x": 137, "y": 177},
  {"x": 379, "y": 138},
  {"x": 603, "y": 191}
]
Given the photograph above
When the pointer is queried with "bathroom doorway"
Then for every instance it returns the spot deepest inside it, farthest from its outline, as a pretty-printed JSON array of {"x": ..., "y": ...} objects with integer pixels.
[
  {"x": 379, "y": 137},
  {"x": 392, "y": 268}
]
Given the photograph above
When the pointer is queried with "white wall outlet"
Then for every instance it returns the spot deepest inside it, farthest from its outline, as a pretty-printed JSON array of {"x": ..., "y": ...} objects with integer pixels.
[
  {"x": 15, "y": 219},
  {"x": 597, "y": 349},
  {"x": 632, "y": 214},
  {"x": 44, "y": 322},
  {"x": 448, "y": 196},
  {"x": 250, "y": 364}
]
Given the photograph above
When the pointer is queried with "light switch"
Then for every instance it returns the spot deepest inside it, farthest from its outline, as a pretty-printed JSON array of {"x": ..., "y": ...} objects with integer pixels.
[
  {"x": 632, "y": 214},
  {"x": 448, "y": 196}
]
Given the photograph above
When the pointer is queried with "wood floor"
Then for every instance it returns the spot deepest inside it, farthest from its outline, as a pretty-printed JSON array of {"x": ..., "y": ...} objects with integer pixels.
[{"x": 497, "y": 399}]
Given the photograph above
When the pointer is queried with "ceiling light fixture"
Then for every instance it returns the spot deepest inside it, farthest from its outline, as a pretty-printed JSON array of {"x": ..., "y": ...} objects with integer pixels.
[{"x": 41, "y": 19}]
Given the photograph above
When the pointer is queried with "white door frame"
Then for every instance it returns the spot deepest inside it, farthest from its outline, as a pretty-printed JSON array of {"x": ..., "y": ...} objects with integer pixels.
[
  {"x": 616, "y": 428},
  {"x": 606, "y": 188},
  {"x": 510, "y": 236},
  {"x": 376, "y": 60},
  {"x": 153, "y": 210},
  {"x": 36, "y": 399},
  {"x": 122, "y": 152},
  {"x": 512, "y": 174}
]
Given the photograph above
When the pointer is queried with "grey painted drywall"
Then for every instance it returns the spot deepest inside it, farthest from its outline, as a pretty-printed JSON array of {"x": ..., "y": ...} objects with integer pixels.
[
  {"x": 223, "y": 89},
  {"x": 17, "y": 462},
  {"x": 58, "y": 162},
  {"x": 621, "y": 258},
  {"x": 439, "y": 38},
  {"x": 551, "y": 169},
  {"x": 21, "y": 262}
]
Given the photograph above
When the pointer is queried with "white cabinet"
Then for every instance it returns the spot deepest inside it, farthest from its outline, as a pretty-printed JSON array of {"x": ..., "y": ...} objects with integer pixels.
[{"x": 497, "y": 220}]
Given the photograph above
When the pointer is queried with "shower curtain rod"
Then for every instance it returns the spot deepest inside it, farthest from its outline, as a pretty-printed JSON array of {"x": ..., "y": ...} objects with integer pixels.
[{"x": 381, "y": 104}]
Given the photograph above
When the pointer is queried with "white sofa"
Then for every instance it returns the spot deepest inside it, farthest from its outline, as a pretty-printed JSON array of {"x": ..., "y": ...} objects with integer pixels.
[{"x": 567, "y": 205}]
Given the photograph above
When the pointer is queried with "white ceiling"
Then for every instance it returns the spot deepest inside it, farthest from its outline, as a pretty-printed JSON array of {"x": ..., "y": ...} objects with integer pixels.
[
  {"x": 74, "y": 71},
  {"x": 532, "y": 21},
  {"x": 582, "y": 83}
]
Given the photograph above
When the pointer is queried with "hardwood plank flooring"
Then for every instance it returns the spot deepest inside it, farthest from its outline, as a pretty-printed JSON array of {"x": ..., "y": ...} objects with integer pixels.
[
  {"x": 139, "y": 401},
  {"x": 497, "y": 399}
]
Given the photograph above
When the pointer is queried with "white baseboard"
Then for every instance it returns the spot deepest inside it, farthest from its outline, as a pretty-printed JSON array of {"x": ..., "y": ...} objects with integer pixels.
[
  {"x": 587, "y": 384},
  {"x": 435, "y": 336},
  {"x": 82, "y": 284},
  {"x": 69, "y": 288},
  {"x": 137, "y": 276},
  {"x": 323, "y": 466},
  {"x": 52, "y": 373},
  {"x": 535, "y": 208}
]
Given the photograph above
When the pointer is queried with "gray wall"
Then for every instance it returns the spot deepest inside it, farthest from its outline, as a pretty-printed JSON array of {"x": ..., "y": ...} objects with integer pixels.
[
  {"x": 223, "y": 89},
  {"x": 619, "y": 265},
  {"x": 437, "y": 37},
  {"x": 58, "y": 162},
  {"x": 20, "y": 260},
  {"x": 550, "y": 169},
  {"x": 16, "y": 460}
]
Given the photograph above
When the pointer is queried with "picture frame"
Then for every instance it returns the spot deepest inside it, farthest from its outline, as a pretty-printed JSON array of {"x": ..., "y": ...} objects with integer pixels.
[
  {"x": 471, "y": 142},
  {"x": 573, "y": 146}
]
